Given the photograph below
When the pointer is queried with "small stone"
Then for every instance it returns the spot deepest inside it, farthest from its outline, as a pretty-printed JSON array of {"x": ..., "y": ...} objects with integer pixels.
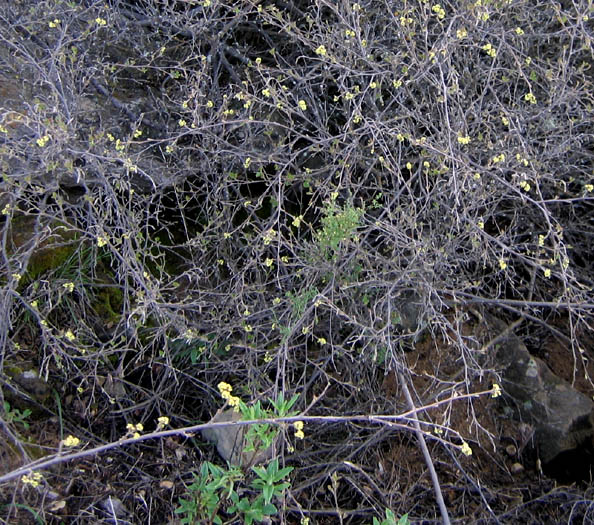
[
  {"x": 516, "y": 468},
  {"x": 511, "y": 450}
]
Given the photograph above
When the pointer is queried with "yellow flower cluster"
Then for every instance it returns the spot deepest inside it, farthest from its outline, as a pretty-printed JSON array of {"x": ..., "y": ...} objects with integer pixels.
[
  {"x": 490, "y": 50},
  {"x": 439, "y": 11},
  {"x": 162, "y": 422},
  {"x": 225, "y": 390},
  {"x": 134, "y": 430},
  {"x": 496, "y": 390},
  {"x": 32, "y": 479},
  {"x": 42, "y": 141},
  {"x": 299, "y": 429},
  {"x": 71, "y": 441},
  {"x": 465, "y": 448}
]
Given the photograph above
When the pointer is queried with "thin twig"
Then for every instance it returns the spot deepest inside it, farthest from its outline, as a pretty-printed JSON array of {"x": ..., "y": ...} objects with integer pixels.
[
  {"x": 429, "y": 462},
  {"x": 394, "y": 421}
]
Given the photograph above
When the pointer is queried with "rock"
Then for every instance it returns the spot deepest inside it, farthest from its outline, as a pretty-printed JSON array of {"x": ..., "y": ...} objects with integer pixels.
[
  {"x": 230, "y": 441},
  {"x": 559, "y": 414},
  {"x": 517, "y": 468},
  {"x": 511, "y": 450}
]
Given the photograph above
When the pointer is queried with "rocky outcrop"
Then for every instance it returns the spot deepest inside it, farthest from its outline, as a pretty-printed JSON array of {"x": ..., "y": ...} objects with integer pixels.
[{"x": 560, "y": 415}]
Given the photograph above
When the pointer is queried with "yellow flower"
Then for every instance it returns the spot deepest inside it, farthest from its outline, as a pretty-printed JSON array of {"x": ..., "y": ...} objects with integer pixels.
[
  {"x": 100, "y": 21},
  {"x": 162, "y": 422},
  {"x": 481, "y": 225},
  {"x": 465, "y": 448},
  {"x": 322, "y": 341},
  {"x": 321, "y": 50},
  {"x": 69, "y": 335},
  {"x": 589, "y": 187},
  {"x": 233, "y": 401},
  {"x": 439, "y": 11},
  {"x": 302, "y": 105},
  {"x": 502, "y": 264},
  {"x": 297, "y": 221},
  {"x": 298, "y": 425},
  {"x": 71, "y": 441},
  {"x": 248, "y": 328},
  {"x": 181, "y": 122},
  {"x": 490, "y": 50},
  {"x": 42, "y": 141},
  {"x": 137, "y": 133},
  {"x": 519, "y": 31},
  {"x": 266, "y": 92},
  {"x": 210, "y": 104},
  {"x": 246, "y": 163},
  {"x": 17, "y": 277},
  {"x": 461, "y": 33},
  {"x": 33, "y": 479},
  {"x": 225, "y": 389},
  {"x": 529, "y": 97},
  {"x": 496, "y": 391},
  {"x": 299, "y": 434},
  {"x": 138, "y": 426},
  {"x": 547, "y": 273},
  {"x": 54, "y": 23},
  {"x": 269, "y": 262},
  {"x": 464, "y": 139},
  {"x": 69, "y": 286}
]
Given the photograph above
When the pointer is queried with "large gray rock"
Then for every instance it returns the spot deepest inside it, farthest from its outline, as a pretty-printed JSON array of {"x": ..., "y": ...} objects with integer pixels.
[
  {"x": 230, "y": 440},
  {"x": 559, "y": 414}
]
